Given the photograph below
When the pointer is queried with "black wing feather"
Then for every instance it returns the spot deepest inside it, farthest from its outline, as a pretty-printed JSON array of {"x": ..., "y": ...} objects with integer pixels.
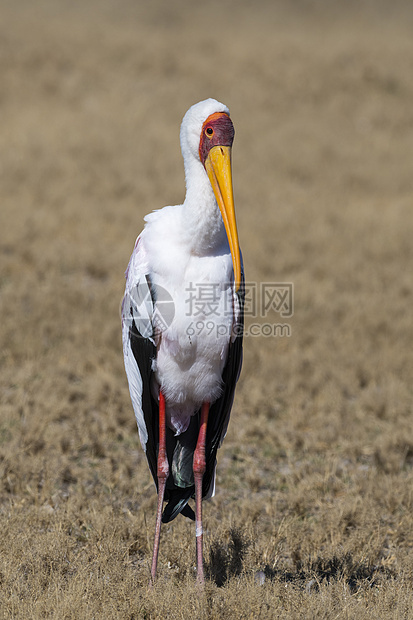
[
  {"x": 220, "y": 410},
  {"x": 144, "y": 352}
]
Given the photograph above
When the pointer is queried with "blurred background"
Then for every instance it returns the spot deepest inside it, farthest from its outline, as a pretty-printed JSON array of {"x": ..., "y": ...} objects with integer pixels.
[{"x": 92, "y": 94}]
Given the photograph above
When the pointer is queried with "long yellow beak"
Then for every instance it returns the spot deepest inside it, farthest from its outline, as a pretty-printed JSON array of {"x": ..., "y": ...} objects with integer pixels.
[{"x": 218, "y": 167}]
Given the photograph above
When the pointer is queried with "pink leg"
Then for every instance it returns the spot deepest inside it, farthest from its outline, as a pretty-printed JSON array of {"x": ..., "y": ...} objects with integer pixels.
[
  {"x": 163, "y": 472},
  {"x": 199, "y": 470}
]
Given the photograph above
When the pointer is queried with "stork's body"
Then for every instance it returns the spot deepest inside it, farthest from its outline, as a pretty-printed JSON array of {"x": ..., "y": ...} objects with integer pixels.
[{"x": 182, "y": 322}]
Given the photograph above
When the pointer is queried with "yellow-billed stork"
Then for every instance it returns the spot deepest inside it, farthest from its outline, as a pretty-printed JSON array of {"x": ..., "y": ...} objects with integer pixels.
[{"x": 182, "y": 322}]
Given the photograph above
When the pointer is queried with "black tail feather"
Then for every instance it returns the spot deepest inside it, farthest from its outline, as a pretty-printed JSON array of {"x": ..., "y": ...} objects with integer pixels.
[
  {"x": 178, "y": 502},
  {"x": 188, "y": 512}
]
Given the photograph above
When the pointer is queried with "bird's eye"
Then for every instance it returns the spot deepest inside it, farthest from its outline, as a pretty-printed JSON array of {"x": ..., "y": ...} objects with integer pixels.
[{"x": 209, "y": 132}]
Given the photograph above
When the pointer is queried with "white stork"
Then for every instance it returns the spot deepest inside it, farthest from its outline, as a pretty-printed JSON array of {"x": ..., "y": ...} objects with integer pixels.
[{"x": 182, "y": 322}]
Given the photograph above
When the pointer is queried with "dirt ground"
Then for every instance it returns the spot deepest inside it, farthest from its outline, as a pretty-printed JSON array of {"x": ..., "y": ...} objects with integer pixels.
[{"x": 313, "y": 515}]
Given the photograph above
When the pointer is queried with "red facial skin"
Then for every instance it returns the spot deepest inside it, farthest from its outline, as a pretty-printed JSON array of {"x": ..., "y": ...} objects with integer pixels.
[{"x": 217, "y": 130}]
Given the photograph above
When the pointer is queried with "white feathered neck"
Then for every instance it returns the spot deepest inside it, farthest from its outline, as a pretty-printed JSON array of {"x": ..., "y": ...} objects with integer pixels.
[{"x": 202, "y": 226}]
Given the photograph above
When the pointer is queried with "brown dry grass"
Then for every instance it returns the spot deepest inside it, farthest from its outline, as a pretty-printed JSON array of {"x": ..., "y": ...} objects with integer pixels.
[{"x": 315, "y": 477}]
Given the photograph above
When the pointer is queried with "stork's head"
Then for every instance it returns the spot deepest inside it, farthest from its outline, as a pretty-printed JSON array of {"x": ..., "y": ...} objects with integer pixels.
[{"x": 207, "y": 134}]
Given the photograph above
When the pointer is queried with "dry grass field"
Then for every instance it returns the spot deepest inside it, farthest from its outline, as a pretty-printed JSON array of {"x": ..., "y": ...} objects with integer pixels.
[{"x": 313, "y": 516}]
